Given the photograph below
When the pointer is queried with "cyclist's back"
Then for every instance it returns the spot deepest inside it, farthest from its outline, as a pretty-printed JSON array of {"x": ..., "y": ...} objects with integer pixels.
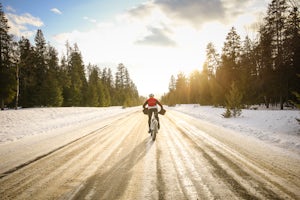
[{"x": 152, "y": 108}]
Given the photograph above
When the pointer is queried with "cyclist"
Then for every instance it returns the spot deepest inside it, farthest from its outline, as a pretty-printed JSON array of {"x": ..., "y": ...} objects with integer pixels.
[{"x": 152, "y": 107}]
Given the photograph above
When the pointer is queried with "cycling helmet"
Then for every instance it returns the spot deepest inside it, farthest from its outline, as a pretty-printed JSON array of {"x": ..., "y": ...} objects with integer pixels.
[{"x": 151, "y": 95}]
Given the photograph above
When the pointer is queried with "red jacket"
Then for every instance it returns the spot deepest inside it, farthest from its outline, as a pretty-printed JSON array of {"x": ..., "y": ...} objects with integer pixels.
[{"x": 152, "y": 102}]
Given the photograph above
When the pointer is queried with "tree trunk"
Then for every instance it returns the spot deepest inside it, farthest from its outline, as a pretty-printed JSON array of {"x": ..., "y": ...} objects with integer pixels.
[
  {"x": 18, "y": 88},
  {"x": 281, "y": 102},
  {"x": 266, "y": 101}
]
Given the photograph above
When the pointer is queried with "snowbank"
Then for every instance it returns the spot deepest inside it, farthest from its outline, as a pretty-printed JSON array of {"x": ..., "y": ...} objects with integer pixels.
[{"x": 17, "y": 124}]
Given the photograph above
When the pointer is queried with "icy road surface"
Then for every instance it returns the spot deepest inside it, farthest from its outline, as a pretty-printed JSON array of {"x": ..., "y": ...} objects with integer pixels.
[{"x": 190, "y": 159}]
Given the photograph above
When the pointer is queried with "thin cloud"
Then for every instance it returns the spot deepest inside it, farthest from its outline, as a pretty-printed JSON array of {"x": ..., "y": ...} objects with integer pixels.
[
  {"x": 56, "y": 11},
  {"x": 10, "y": 9},
  {"x": 19, "y": 24},
  {"x": 142, "y": 10},
  {"x": 25, "y": 19},
  {"x": 194, "y": 12},
  {"x": 90, "y": 19},
  {"x": 157, "y": 37},
  {"x": 234, "y": 8}
]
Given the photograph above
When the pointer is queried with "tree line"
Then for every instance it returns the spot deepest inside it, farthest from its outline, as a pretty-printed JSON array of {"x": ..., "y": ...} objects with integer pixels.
[
  {"x": 34, "y": 76},
  {"x": 262, "y": 70}
]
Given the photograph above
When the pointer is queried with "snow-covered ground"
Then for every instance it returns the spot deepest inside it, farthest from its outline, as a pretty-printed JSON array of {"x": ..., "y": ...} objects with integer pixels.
[
  {"x": 26, "y": 134},
  {"x": 278, "y": 127},
  {"x": 19, "y": 124}
]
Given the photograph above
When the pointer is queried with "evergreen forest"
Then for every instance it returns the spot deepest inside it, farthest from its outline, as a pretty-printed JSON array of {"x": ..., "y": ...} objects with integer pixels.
[
  {"x": 264, "y": 70},
  {"x": 32, "y": 75}
]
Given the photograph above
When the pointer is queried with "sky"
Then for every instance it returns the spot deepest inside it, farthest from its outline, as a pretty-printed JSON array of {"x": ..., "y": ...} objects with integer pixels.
[{"x": 154, "y": 39}]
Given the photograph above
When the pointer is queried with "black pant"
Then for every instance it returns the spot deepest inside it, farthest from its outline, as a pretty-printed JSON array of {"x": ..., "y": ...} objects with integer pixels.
[{"x": 150, "y": 111}]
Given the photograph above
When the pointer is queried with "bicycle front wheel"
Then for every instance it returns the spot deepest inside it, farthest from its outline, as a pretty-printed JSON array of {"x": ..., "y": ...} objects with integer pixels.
[{"x": 153, "y": 134}]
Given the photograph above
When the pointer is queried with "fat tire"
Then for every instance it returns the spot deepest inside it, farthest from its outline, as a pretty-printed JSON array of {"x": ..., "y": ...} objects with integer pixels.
[{"x": 153, "y": 135}]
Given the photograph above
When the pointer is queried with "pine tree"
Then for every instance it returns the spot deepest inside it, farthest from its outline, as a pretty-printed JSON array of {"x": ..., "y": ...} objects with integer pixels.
[
  {"x": 52, "y": 87},
  {"x": 228, "y": 71},
  {"x": 65, "y": 80},
  {"x": 212, "y": 59},
  {"x": 216, "y": 92},
  {"x": 212, "y": 63},
  {"x": 107, "y": 81},
  {"x": 199, "y": 87},
  {"x": 182, "y": 89},
  {"x": 172, "y": 84},
  {"x": 233, "y": 102},
  {"x": 27, "y": 73},
  {"x": 119, "y": 96},
  {"x": 76, "y": 93},
  {"x": 204, "y": 87},
  {"x": 126, "y": 93},
  {"x": 95, "y": 89},
  {"x": 275, "y": 26},
  {"x": 248, "y": 73},
  {"x": 266, "y": 70},
  {"x": 291, "y": 52},
  {"x": 195, "y": 84},
  {"x": 39, "y": 95},
  {"x": 7, "y": 70},
  {"x": 170, "y": 98},
  {"x": 106, "y": 98}
]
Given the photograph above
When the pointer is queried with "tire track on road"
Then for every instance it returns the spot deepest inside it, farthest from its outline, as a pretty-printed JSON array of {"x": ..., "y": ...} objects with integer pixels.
[
  {"x": 113, "y": 180},
  {"x": 75, "y": 159},
  {"x": 231, "y": 170},
  {"x": 24, "y": 164}
]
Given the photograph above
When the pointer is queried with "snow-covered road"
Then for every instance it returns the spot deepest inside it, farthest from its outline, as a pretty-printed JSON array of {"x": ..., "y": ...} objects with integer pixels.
[{"x": 115, "y": 158}]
